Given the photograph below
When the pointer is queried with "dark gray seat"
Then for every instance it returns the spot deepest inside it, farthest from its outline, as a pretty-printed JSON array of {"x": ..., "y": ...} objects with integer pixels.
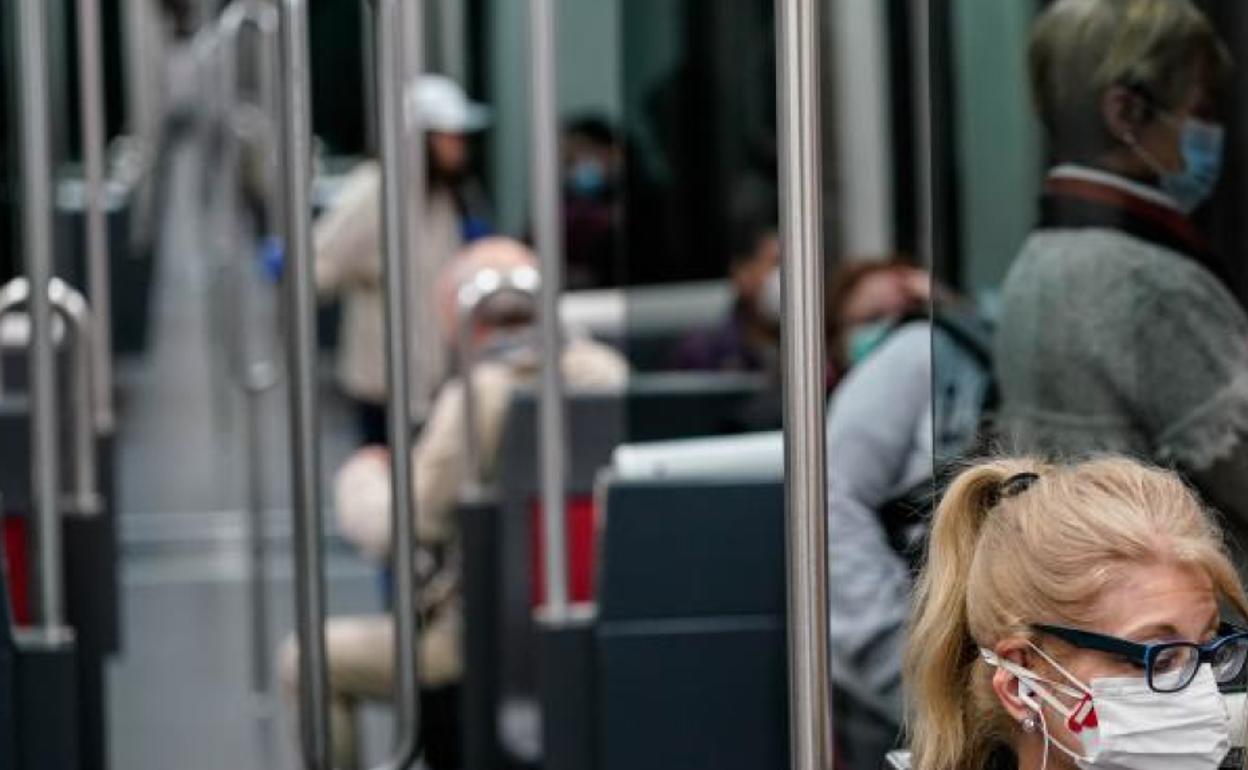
[
  {"x": 497, "y": 538},
  {"x": 38, "y": 691},
  {"x": 691, "y": 663},
  {"x": 654, "y": 407}
]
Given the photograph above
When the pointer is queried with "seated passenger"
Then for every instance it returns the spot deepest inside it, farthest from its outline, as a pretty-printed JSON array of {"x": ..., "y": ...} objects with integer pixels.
[
  {"x": 748, "y": 338},
  {"x": 1118, "y": 332},
  {"x": 884, "y": 433},
  {"x": 593, "y": 208},
  {"x": 866, "y": 299},
  {"x": 1071, "y": 616},
  {"x": 348, "y": 253},
  {"x": 360, "y": 649}
]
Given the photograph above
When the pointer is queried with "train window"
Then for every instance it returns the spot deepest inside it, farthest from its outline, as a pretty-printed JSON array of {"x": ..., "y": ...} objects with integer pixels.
[{"x": 1067, "y": 201}]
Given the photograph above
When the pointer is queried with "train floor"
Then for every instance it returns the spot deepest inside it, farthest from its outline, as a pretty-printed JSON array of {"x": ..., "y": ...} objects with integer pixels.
[{"x": 180, "y": 692}]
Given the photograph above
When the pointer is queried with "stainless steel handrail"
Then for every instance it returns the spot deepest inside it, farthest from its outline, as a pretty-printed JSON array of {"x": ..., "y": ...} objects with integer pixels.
[
  {"x": 85, "y": 498},
  {"x": 548, "y": 231},
  {"x": 396, "y": 184},
  {"x": 99, "y": 270},
  {"x": 258, "y": 377},
  {"x": 37, "y": 244},
  {"x": 801, "y": 232},
  {"x": 253, "y": 377},
  {"x": 296, "y": 158}
]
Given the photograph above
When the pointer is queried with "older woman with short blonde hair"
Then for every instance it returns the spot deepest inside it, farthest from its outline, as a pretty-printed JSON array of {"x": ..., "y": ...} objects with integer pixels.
[{"x": 1119, "y": 330}]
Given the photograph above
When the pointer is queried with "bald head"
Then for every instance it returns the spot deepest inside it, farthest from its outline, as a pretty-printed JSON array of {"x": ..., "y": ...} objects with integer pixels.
[{"x": 506, "y": 259}]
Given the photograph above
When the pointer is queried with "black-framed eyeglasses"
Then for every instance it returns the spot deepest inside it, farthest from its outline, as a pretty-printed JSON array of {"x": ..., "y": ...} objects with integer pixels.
[{"x": 1168, "y": 666}]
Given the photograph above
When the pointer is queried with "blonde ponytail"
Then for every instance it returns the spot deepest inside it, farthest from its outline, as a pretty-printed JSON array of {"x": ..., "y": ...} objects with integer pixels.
[
  {"x": 1011, "y": 545},
  {"x": 940, "y": 658}
]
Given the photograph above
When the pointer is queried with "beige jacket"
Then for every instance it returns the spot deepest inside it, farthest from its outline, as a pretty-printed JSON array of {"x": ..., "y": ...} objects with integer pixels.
[
  {"x": 362, "y": 491},
  {"x": 348, "y": 264}
]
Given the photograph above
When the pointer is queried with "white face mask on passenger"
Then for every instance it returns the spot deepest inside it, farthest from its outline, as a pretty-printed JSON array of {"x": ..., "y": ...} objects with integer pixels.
[{"x": 1122, "y": 724}]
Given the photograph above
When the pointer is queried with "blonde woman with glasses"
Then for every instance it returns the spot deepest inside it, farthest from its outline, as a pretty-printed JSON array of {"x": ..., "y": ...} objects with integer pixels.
[{"x": 1072, "y": 616}]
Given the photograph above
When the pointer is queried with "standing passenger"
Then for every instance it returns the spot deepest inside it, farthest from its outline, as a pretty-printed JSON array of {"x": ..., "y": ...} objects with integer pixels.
[
  {"x": 348, "y": 249},
  {"x": 1118, "y": 332}
]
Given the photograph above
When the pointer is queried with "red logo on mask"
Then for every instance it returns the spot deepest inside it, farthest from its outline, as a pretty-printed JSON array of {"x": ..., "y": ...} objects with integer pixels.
[{"x": 1083, "y": 717}]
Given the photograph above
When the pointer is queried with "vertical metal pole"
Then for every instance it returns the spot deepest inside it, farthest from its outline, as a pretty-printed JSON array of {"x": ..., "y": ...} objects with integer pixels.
[
  {"x": 396, "y": 247},
  {"x": 296, "y": 155},
  {"x": 421, "y": 317},
  {"x": 801, "y": 233},
  {"x": 548, "y": 229},
  {"x": 924, "y": 135},
  {"x": 257, "y": 576},
  {"x": 99, "y": 275},
  {"x": 37, "y": 243}
]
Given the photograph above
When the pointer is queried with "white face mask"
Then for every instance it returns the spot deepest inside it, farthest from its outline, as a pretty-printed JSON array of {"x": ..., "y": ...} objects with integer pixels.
[
  {"x": 1122, "y": 724},
  {"x": 769, "y": 299}
]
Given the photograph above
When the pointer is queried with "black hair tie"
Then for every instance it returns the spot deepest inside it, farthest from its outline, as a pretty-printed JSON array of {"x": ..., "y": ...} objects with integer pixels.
[{"x": 1016, "y": 485}]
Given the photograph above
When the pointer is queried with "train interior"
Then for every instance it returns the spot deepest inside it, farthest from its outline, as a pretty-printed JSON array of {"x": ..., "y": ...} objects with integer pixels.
[{"x": 177, "y": 400}]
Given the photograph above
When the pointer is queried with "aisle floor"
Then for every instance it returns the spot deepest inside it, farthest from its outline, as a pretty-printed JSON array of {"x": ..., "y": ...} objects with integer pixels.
[{"x": 180, "y": 692}]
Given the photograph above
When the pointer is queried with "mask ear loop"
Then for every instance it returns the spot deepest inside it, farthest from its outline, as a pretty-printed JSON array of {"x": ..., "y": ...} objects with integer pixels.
[
  {"x": 1026, "y": 696},
  {"x": 1028, "y": 690}
]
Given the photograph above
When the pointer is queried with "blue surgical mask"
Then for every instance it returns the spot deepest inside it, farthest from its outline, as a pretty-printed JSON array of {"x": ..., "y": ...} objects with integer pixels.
[
  {"x": 587, "y": 179},
  {"x": 1203, "y": 146}
]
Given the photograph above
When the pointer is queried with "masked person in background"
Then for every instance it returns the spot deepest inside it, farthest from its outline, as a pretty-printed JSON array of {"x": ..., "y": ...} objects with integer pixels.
[
  {"x": 593, "y": 207},
  {"x": 748, "y": 339},
  {"x": 1071, "y": 616},
  {"x": 867, "y": 299},
  {"x": 348, "y": 253},
  {"x": 361, "y": 649},
  {"x": 1118, "y": 332}
]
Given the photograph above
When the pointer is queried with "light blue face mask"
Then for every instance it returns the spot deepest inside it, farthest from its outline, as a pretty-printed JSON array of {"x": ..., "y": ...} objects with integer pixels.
[
  {"x": 587, "y": 178},
  {"x": 1202, "y": 145},
  {"x": 865, "y": 338}
]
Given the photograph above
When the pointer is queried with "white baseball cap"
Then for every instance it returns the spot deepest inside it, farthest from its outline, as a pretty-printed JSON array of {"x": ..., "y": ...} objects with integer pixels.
[{"x": 439, "y": 104}]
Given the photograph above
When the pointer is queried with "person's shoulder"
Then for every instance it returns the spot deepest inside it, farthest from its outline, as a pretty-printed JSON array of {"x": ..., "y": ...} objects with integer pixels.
[{"x": 588, "y": 363}]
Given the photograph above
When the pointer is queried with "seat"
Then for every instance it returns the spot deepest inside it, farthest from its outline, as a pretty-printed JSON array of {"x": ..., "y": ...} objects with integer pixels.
[
  {"x": 690, "y": 639},
  {"x": 38, "y": 693},
  {"x": 498, "y": 554},
  {"x": 648, "y": 322}
]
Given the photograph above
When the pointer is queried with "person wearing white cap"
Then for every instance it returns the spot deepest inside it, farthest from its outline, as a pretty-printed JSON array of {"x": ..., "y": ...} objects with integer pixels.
[{"x": 348, "y": 251}]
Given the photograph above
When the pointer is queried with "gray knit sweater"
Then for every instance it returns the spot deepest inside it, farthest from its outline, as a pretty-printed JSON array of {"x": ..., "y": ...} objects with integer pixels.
[{"x": 1109, "y": 343}]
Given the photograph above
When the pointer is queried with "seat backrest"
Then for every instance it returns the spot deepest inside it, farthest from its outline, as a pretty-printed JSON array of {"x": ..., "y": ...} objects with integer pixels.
[
  {"x": 681, "y": 549},
  {"x": 652, "y": 407},
  {"x": 648, "y": 322},
  {"x": 691, "y": 657},
  {"x": 753, "y": 456},
  {"x": 7, "y": 686}
]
